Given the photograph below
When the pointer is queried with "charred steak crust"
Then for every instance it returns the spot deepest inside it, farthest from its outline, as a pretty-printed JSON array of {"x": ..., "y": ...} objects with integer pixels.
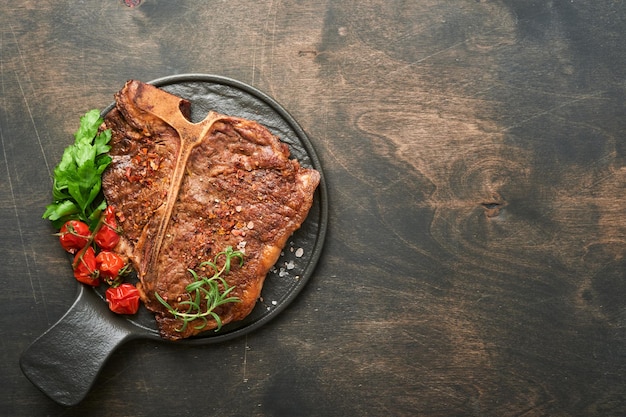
[{"x": 185, "y": 191}]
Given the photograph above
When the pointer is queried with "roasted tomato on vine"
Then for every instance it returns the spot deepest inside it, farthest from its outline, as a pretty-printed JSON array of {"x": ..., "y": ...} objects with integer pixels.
[
  {"x": 109, "y": 264},
  {"x": 107, "y": 237},
  {"x": 74, "y": 235},
  {"x": 123, "y": 299},
  {"x": 85, "y": 269}
]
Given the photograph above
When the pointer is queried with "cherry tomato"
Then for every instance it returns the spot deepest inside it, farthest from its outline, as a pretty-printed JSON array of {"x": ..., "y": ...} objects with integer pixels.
[
  {"x": 123, "y": 299},
  {"x": 109, "y": 216},
  {"x": 74, "y": 235},
  {"x": 109, "y": 264},
  {"x": 85, "y": 267},
  {"x": 107, "y": 237}
]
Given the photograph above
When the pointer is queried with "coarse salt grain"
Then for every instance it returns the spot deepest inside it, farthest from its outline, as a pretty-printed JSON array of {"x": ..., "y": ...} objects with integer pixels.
[{"x": 299, "y": 252}]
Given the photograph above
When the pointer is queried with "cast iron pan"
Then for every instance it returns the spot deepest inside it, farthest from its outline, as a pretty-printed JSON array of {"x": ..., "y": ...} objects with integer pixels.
[{"x": 65, "y": 361}]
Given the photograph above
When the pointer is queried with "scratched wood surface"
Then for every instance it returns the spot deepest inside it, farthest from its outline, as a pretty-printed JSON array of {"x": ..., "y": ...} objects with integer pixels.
[{"x": 475, "y": 154}]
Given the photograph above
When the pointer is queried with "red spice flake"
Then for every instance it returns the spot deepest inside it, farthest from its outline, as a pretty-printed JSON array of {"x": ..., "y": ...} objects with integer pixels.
[{"x": 129, "y": 175}]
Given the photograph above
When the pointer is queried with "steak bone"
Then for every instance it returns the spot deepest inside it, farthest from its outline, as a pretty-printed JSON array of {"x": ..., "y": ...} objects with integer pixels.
[{"x": 167, "y": 107}]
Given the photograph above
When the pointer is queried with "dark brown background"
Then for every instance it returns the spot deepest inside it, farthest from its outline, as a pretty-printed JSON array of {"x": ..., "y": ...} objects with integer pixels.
[{"x": 475, "y": 154}]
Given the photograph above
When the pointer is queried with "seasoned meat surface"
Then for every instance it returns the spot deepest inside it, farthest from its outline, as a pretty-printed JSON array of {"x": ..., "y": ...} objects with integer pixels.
[{"x": 186, "y": 191}]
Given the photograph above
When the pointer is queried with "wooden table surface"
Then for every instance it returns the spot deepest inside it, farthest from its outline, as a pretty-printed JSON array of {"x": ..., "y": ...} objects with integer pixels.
[{"x": 475, "y": 156}]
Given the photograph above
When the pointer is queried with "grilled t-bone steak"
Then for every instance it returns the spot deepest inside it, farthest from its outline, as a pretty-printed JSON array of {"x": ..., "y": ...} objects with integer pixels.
[{"x": 186, "y": 191}]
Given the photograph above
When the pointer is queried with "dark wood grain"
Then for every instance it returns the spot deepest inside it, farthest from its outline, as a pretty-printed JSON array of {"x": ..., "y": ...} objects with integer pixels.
[{"x": 474, "y": 153}]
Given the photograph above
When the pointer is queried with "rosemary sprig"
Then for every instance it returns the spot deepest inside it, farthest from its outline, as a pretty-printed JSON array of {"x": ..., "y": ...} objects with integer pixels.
[{"x": 205, "y": 294}]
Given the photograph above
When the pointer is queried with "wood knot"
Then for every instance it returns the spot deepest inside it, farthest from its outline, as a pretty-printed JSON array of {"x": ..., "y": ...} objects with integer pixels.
[
  {"x": 493, "y": 206},
  {"x": 131, "y": 3}
]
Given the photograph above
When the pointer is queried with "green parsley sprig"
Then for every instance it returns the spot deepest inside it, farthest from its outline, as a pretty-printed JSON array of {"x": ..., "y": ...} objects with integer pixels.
[
  {"x": 205, "y": 294},
  {"x": 78, "y": 177}
]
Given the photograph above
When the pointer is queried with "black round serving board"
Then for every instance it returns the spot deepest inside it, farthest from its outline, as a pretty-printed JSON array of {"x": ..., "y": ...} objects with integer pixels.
[{"x": 65, "y": 360}]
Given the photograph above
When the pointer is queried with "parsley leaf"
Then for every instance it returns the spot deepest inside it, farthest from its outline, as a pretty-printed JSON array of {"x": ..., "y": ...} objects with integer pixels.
[{"x": 78, "y": 176}]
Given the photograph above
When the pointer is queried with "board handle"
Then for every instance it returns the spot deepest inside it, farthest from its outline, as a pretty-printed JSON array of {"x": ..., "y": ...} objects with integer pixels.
[{"x": 65, "y": 361}]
